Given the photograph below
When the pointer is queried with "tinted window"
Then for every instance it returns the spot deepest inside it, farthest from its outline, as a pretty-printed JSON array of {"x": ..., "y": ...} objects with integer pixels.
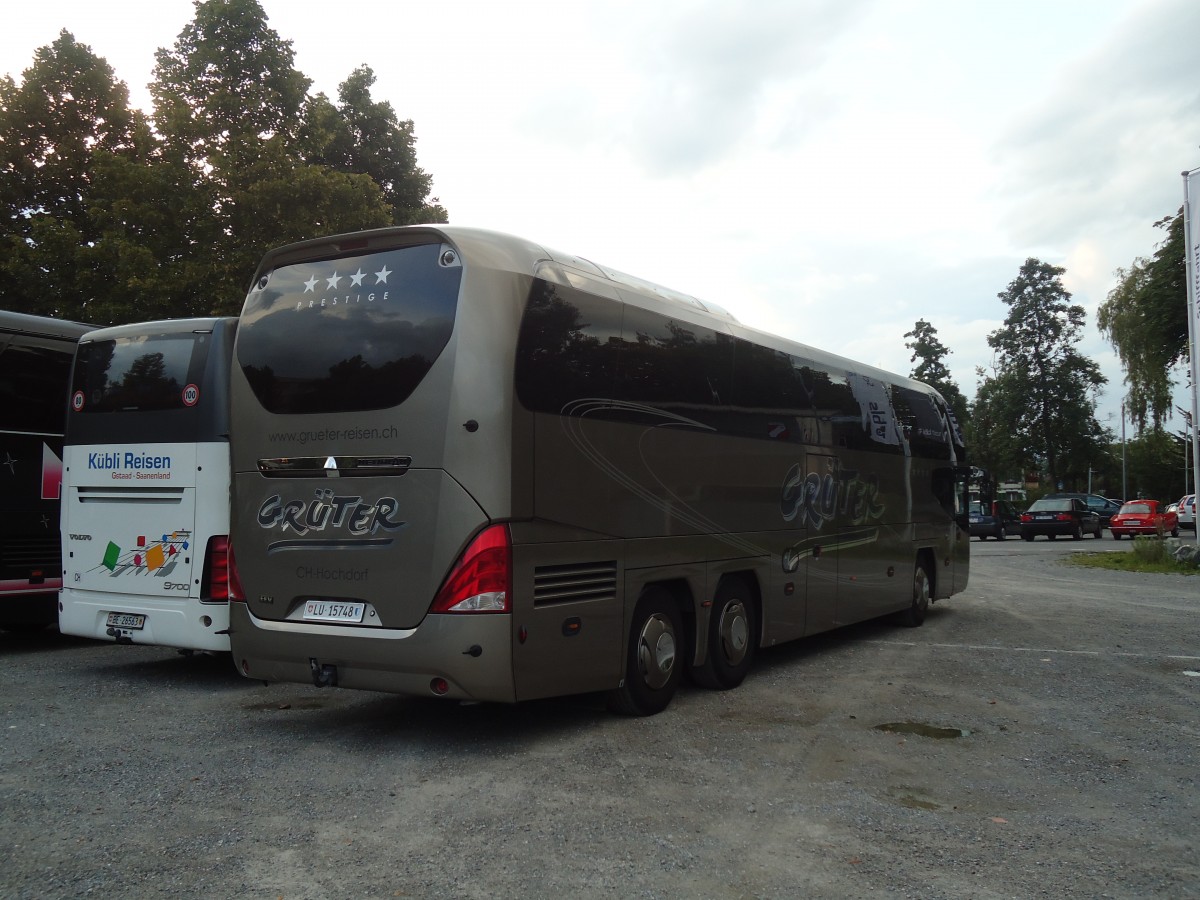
[
  {"x": 773, "y": 393},
  {"x": 926, "y": 430},
  {"x": 567, "y": 348},
  {"x": 579, "y": 353},
  {"x": 879, "y": 426},
  {"x": 139, "y": 374},
  {"x": 348, "y": 334},
  {"x": 1045, "y": 505},
  {"x": 1139, "y": 508},
  {"x": 33, "y": 385},
  {"x": 667, "y": 363}
]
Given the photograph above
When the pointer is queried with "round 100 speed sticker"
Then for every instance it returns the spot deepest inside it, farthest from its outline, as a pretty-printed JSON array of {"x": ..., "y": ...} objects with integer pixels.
[{"x": 191, "y": 395}]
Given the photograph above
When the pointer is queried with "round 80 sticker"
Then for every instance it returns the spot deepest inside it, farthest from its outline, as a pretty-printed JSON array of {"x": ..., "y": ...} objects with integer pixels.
[
  {"x": 77, "y": 401},
  {"x": 191, "y": 395}
]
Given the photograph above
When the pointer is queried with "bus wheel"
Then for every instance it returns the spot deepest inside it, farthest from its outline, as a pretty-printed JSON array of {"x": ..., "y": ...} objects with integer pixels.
[
  {"x": 915, "y": 614},
  {"x": 732, "y": 637},
  {"x": 653, "y": 665}
]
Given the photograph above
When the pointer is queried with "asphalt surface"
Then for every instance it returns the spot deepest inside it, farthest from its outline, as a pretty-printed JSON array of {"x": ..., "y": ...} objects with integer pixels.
[{"x": 1036, "y": 738}]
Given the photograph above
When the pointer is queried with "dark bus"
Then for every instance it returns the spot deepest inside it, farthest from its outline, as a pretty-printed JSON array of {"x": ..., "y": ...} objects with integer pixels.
[
  {"x": 35, "y": 370},
  {"x": 467, "y": 466}
]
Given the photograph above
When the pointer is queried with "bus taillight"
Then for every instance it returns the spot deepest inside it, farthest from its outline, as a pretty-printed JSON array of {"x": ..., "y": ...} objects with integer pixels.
[
  {"x": 214, "y": 583},
  {"x": 234, "y": 582},
  {"x": 481, "y": 580}
]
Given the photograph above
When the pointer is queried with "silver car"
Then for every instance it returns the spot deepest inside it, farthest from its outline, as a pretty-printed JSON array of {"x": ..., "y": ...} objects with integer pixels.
[{"x": 1187, "y": 512}]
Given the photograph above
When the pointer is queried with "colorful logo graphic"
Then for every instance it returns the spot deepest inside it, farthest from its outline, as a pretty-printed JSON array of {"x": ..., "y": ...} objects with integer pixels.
[{"x": 148, "y": 556}]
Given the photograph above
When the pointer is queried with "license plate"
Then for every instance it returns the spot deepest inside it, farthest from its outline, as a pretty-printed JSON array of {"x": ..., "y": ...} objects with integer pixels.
[
  {"x": 126, "y": 620},
  {"x": 333, "y": 611},
  {"x": 975, "y": 520},
  {"x": 1044, "y": 518}
]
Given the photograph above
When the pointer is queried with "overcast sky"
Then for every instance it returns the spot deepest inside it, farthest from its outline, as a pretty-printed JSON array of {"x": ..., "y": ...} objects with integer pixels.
[{"x": 830, "y": 170}]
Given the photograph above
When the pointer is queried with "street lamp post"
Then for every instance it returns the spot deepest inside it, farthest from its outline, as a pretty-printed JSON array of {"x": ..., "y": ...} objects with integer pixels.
[
  {"x": 1187, "y": 446},
  {"x": 1124, "y": 479}
]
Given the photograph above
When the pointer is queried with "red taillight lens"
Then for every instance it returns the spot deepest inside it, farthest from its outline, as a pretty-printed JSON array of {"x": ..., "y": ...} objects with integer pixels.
[
  {"x": 234, "y": 583},
  {"x": 1026, "y": 517},
  {"x": 481, "y": 580},
  {"x": 214, "y": 583},
  {"x": 1063, "y": 517}
]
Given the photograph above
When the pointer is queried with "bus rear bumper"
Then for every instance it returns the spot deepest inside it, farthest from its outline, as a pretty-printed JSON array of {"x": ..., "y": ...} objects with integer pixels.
[
  {"x": 30, "y": 607},
  {"x": 456, "y": 657},
  {"x": 186, "y": 624}
]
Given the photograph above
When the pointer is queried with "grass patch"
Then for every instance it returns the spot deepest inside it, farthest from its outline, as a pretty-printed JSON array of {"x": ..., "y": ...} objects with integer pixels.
[{"x": 1148, "y": 555}]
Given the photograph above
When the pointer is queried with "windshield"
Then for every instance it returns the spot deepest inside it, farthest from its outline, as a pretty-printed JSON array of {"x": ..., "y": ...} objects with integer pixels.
[
  {"x": 139, "y": 374},
  {"x": 1141, "y": 508},
  {"x": 1052, "y": 506},
  {"x": 351, "y": 333}
]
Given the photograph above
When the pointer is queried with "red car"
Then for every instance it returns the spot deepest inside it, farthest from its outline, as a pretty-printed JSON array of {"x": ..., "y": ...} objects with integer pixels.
[{"x": 1144, "y": 517}]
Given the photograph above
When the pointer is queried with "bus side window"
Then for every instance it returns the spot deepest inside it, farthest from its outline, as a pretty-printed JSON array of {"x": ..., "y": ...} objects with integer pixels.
[
  {"x": 925, "y": 426},
  {"x": 567, "y": 347},
  {"x": 770, "y": 396},
  {"x": 31, "y": 388},
  {"x": 672, "y": 365}
]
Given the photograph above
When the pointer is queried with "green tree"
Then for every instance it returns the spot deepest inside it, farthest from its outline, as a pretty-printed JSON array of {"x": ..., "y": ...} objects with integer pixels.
[
  {"x": 231, "y": 106},
  {"x": 1155, "y": 465},
  {"x": 991, "y": 439},
  {"x": 108, "y": 219},
  {"x": 67, "y": 116},
  {"x": 929, "y": 354},
  {"x": 1145, "y": 319},
  {"x": 227, "y": 85},
  {"x": 1043, "y": 382},
  {"x": 365, "y": 136}
]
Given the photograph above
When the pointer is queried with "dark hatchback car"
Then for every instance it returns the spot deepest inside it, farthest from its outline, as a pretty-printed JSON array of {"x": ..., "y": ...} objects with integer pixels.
[
  {"x": 1102, "y": 506},
  {"x": 1053, "y": 516},
  {"x": 997, "y": 519}
]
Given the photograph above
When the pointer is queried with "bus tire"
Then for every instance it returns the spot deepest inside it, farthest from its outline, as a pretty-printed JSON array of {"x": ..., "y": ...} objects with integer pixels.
[
  {"x": 732, "y": 637},
  {"x": 914, "y": 616},
  {"x": 653, "y": 663}
]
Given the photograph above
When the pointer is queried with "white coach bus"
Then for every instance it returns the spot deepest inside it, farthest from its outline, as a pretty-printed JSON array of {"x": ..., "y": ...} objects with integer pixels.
[
  {"x": 467, "y": 466},
  {"x": 145, "y": 511}
]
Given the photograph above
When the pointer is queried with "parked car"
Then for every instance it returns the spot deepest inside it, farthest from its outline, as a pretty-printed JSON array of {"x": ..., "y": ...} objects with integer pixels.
[
  {"x": 1102, "y": 506},
  {"x": 1187, "y": 512},
  {"x": 1144, "y": 517},
  {"x": 996, "y": 519},
  {"x": 1053, "y": 516}
]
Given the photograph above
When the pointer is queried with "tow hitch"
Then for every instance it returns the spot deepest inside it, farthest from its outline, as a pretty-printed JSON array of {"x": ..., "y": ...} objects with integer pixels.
[{"x": 323, "y": 675}]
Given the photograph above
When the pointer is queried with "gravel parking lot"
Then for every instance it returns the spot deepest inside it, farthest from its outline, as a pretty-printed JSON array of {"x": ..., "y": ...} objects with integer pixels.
[{"x": 1036, "y": 738}]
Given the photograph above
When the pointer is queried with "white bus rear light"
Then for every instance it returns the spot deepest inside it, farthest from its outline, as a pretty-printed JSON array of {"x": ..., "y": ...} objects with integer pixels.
[
  {"x": 492, "y": 601},
  {"x": 235, "y": 591}
]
